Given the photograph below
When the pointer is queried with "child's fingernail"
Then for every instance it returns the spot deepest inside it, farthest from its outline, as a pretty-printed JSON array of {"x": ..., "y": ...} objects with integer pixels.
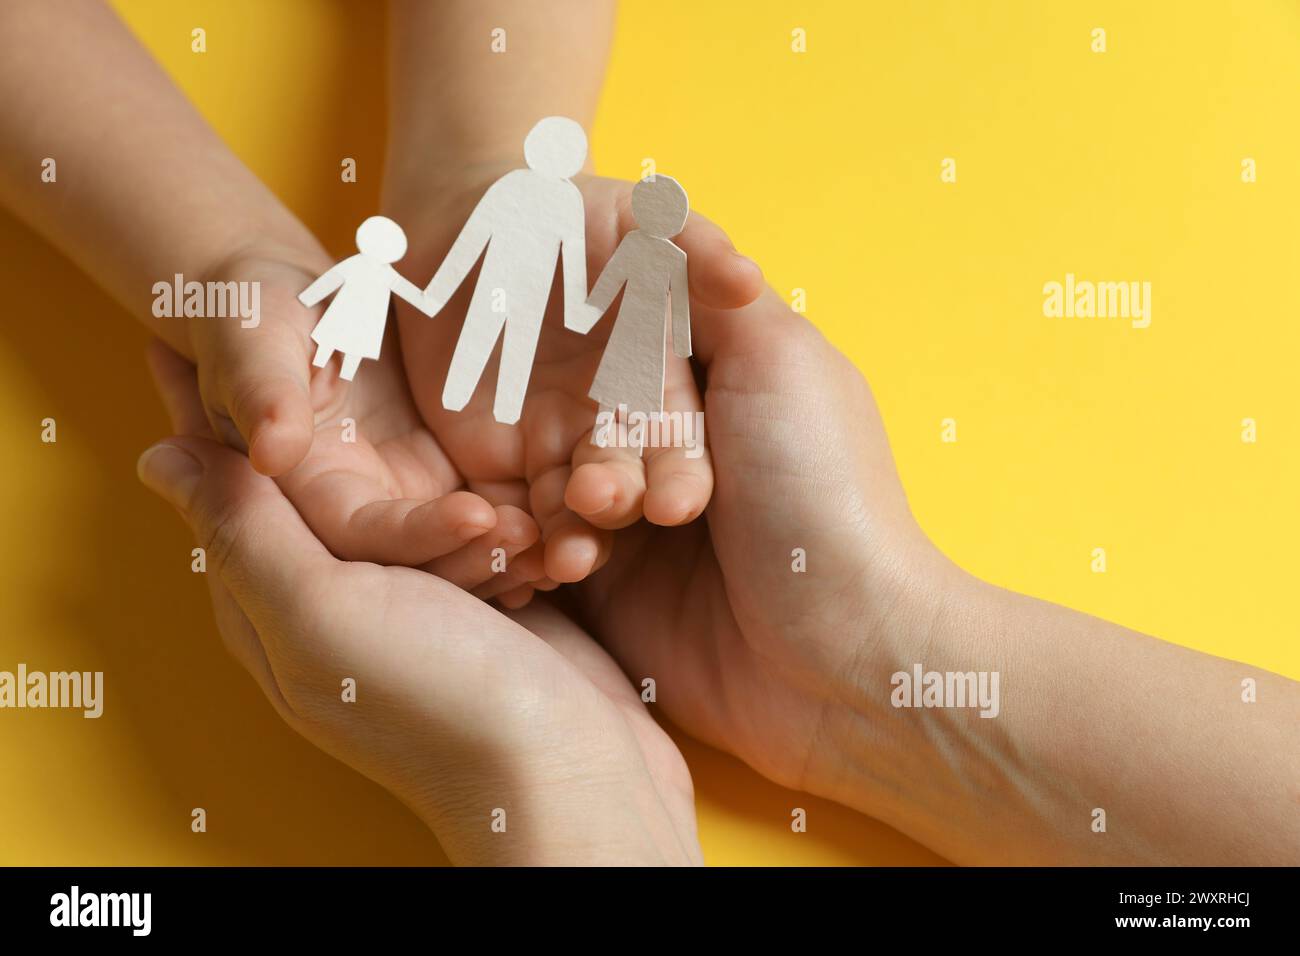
[
  {"x": 602, "y": 510},
  {"x": 470, "y": 530},
  {"x": 264, "y": 440},
  {"x": 228, "y": 433},
  {"x": 170, "y": 472}
]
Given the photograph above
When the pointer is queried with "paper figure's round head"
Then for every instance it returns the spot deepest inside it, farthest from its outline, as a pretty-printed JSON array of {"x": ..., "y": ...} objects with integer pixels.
[
  {"x": 556, "y": 146},
  {"x": 381, "y": 238},
  {"x": 659, "y": 206}
]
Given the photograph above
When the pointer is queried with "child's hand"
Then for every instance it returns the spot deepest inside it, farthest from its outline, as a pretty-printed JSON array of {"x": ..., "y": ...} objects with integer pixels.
[
  {"x": 577, "y": 492},
  {"x": 253, "y": 378},
  {"x": 354, "y": 458}
]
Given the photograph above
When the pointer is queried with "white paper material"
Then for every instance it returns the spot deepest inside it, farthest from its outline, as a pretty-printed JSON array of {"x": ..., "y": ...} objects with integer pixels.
[
  {"x": 354, "y": 322},
  {"x": 653, "y": 269},
  {"x": 525, "y": 220}
]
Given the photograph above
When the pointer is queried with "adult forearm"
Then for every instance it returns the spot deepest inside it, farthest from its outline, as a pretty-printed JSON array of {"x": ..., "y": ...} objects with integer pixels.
[{"x": 1102, "y": 745}]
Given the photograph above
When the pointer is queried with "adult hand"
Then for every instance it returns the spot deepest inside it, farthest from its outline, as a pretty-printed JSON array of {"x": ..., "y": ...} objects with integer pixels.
[
  {"x": 461, "y": 711},
  {"x": 779, "y": 628},
  {"x": 767, "y": 624}
]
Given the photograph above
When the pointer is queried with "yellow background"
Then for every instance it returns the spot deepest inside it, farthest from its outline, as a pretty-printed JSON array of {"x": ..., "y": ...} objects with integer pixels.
[{"x": 824, "y": 166}]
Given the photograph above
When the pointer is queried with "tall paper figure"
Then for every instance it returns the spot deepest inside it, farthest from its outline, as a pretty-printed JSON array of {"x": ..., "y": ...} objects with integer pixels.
[
  {"x": 631, "y": 372},
  {"x": 525, "y": 219},
  {"x": 354, "y": 322}
]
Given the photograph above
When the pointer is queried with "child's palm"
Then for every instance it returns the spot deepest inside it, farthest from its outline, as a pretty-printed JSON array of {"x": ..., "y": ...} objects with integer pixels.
[
  {"x": 578, "y": 493},
  {"x": 373, "y": 483}
]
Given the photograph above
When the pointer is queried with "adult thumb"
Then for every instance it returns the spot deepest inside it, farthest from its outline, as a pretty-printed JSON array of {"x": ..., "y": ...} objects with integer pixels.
[{"x": 251, "y": 534}]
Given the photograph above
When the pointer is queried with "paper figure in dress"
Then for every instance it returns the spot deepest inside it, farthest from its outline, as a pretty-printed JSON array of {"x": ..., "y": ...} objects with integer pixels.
[
  {"x": 653, "y": 268},
  {"x": 354, "y": 322},
  {"x": 525, "y": 220}
]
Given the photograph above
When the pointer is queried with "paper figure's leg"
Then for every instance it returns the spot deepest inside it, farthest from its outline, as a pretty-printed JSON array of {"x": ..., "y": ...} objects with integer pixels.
[
  {"x": 611, "y": 429},
  {"x": 477, "y": 339},
  {"x": 638, "y": 441},
  {"x": 323, "y": 353},
  {"x": 638, "y": 431},
  {"x": 516, "y": 367},
  {"x": 350, "y": 363},
  {"x": 604, "y": 434}
]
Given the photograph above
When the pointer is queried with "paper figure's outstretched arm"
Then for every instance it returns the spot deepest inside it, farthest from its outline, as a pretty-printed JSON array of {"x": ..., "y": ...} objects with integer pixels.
[
  {"x": 680, "y": 297},
  {"x": 464, "y": 252},
  {"x": 408, "y": 290},
  {"x": 327, "y": 283},
  {"x": 573, "y": 262},
  {"x": 611, "y": 280}
]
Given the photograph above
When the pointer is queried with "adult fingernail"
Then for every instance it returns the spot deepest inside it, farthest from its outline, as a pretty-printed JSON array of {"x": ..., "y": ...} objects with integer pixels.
[{"x": 170, "y": 472}]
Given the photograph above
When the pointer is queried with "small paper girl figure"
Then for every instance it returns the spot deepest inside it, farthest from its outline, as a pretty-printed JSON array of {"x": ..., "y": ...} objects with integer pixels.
[
  {"x": 631, "y": 372},
  {"x": 354, "y": 322}
]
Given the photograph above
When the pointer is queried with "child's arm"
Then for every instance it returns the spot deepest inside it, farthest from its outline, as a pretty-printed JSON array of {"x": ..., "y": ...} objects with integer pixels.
[
  {"x": 137, "y": 188},
  {"x": 610, "y": 281},
  {"x": 406, "y": 289},
  {"x": 680, "y": 297},
  {"x": 327, "y": 283},
  {"x": 471, "y": 77}
]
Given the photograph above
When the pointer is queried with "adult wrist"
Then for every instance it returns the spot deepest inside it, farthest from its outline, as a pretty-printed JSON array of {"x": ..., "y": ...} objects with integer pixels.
[
  {"x": 894, "y": 733},
  {"x": 576, "y": 822}
]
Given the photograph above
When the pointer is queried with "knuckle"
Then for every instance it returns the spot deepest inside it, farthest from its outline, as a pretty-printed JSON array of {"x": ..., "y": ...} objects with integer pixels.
[
  {"x": 797, "y": 335},
  {"x": 226, "y": 534},
  {"x": 246, "y": 396}
]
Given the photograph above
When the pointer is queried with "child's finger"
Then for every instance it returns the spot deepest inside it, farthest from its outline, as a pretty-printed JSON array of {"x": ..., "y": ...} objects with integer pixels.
[
  {"x": 410, "y": 530},
  {"x": 523, "y": 569},
  {"x": 678, "y": 487},
  {"x": 499, "y": 557},
  {"x": 259, "y": 383},
  {"x": 503, "y": 583},
  {"x": 353, "y": 515},
  {"x": 679, "y": 472},
  {"x": 574, "y": 549},
  {"x": 517, "y": 598},
  {"x": 607, "y": 484}
]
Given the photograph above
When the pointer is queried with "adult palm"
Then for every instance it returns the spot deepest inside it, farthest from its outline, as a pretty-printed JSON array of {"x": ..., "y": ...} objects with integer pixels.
[
  {"x": 765, "y": 623},
  {"x": 460, "y": 710}
]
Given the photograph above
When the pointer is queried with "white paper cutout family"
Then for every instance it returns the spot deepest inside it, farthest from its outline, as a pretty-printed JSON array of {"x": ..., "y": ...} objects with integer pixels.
[{"x": 527, "y": 219}]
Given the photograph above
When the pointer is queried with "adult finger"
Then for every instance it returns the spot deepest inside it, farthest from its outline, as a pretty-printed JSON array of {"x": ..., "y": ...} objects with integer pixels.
[{"x": 719, "y": 276}]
